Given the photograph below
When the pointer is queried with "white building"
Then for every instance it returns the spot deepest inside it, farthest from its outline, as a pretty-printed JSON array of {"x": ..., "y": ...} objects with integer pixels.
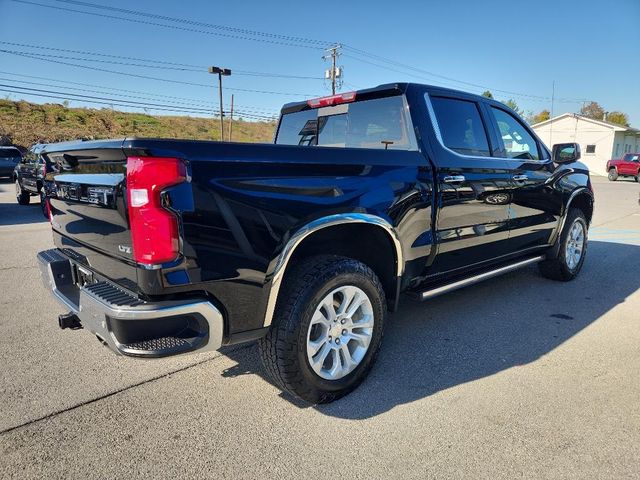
[{"x": 599, "y": 141}]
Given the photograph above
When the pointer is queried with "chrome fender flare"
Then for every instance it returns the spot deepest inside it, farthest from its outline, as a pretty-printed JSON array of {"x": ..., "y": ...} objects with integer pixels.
[{"x": 296, "y": 239}]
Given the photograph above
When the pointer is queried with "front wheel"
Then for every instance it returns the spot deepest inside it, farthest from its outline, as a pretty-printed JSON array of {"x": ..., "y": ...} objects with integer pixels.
[
  {"x": 573, "y": 248},
  {"x": 326, "y": 330},
  {"x": 22, "y": 197},
  {"x": 613, "y": 175}
]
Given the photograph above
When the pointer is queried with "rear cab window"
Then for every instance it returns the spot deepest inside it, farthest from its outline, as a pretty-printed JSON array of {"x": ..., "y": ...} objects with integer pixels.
[
  {"x": 379, "y": 123},
  {"x": 460, "y": 127}
]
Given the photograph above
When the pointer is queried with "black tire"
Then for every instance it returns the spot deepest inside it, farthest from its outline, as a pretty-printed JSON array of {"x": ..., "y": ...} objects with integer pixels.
[
  {"x": 284, "y": 349},
  {"x": 613, "y": 175},
  {"x": 22, "y": 197},
  {"x": 637, "y": 177},
  {"x": 558, "y": 268}
]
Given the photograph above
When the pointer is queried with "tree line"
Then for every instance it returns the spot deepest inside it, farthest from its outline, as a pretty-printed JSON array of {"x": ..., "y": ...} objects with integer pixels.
[{"x": 591, "y": 110}]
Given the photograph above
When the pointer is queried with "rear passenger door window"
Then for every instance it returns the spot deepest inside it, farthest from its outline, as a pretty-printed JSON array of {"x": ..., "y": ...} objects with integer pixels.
[
  {"x": 460, "y": 126},
  {"x": 514, "y": 140}
]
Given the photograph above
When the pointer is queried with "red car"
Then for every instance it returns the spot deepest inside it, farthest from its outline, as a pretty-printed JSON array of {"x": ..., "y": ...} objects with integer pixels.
[{"x": 627, "y": 166}]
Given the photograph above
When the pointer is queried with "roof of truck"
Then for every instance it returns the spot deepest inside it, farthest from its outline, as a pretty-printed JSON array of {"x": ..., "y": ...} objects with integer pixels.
[{"x": 390, "y": 89}]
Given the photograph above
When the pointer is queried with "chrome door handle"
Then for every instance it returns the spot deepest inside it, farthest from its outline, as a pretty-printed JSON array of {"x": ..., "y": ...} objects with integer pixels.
[
  {"x": 520, "y": 178},
  {"x": 454, "y": 179}
]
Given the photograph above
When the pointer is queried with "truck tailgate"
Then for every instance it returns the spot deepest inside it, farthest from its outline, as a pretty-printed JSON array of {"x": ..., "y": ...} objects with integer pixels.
[{"x": 87, "y": 204}]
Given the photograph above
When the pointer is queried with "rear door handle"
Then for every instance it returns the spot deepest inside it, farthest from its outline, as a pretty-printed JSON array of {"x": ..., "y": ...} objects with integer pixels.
[
  {"x": 454, "y": 179},
  {"x": 520, "y": 178}
]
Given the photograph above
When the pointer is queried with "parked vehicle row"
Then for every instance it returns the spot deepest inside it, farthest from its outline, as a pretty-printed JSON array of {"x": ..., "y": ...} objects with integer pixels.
[
  {"x": 9, "y": 158},
  {"x": 28, "y": 177}
]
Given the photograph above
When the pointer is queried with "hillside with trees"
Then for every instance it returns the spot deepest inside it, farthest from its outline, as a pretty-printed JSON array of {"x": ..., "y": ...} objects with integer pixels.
[{"x": 24, "y": 123}]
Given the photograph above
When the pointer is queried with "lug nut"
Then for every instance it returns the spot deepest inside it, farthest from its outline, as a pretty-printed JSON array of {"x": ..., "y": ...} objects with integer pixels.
[
  {"x": 338, "y": 341},
  {"x": 343, "y": 321},
  {"x": 344, "y": 332}
]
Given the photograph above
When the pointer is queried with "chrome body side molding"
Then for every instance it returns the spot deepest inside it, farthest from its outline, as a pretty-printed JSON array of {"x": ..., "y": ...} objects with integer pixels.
[
  {"x": 312, "y": 227},
  {"x": 465, "y": 282}
]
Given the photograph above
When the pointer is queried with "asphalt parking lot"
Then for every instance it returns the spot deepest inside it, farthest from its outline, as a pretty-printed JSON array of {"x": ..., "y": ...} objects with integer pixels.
[{"x": 516, "y": 377}]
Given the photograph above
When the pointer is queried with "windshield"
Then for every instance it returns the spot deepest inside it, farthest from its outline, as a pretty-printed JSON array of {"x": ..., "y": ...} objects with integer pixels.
[{"x": 381, "y": 123}]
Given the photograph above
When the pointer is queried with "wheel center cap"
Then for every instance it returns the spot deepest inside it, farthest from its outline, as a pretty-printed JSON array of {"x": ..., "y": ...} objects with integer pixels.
[{"x": 336, "y": 330}]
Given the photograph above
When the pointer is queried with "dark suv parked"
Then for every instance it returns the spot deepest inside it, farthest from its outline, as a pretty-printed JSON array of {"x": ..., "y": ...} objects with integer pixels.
[
  {"x": 28, "y": 176},
  {"x": 9, "y": 157}
]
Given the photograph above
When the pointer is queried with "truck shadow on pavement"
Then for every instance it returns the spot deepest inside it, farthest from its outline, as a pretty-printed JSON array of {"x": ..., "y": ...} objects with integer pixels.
[
  {"x": 479, "y": 331},
  {"x": 13, "y": 214}
]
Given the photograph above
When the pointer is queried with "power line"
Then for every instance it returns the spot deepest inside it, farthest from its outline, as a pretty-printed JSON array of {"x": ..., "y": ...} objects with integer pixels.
[
  {"x": 174, "y": 27},
  {"x": 382, "y": 59},
  {"x": 118, "y": 102},
  {"x": 161, "y": 63},
  {"x": 195, "y": 101},
  {"x": 147, "y": 77},
  {"x": 275, "y": 39},
  {"x": 207, "y": 106},
  {"x": 202, "y": 24}
]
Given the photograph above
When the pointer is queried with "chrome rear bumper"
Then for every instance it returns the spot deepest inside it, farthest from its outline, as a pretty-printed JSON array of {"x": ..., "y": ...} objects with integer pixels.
[{"x": 127, "y": 324}]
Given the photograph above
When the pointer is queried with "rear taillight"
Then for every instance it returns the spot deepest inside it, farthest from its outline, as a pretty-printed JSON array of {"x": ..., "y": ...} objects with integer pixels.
[
  {"x": 332, "y": 100},
  {"x": 154, "y": 228}
]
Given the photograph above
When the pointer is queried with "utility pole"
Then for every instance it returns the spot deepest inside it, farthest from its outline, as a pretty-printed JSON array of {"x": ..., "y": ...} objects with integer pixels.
[
  {"x": 335, "y": 73},
  {"x": 226, "y": 72},
  {"x": 231, "y": 118},
  {"x": 553, "y": 96}
]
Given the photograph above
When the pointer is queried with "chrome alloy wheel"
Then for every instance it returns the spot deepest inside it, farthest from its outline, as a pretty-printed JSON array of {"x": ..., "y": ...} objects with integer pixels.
[
  {"x": 575, "y": 245},
  {"x": 340, "y": 332}
]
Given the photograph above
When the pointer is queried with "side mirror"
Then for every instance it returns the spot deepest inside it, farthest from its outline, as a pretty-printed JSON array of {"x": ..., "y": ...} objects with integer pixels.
[{"x": 566, "y": 152}]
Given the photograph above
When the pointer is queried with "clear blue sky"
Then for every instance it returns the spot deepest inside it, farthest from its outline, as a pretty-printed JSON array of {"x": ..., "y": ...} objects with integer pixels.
[{"x": 590, "y": 48}]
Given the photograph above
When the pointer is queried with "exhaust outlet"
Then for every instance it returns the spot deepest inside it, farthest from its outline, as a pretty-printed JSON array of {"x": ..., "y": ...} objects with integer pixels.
[{"x": 69, "y": 320}]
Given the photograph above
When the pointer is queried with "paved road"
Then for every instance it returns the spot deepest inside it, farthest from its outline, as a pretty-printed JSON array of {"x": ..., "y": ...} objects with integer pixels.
[{"x": 517, "y": 377}]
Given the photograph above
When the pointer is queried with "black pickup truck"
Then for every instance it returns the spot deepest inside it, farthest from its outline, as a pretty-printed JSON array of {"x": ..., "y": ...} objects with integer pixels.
[{"x": 171, "y": 246}]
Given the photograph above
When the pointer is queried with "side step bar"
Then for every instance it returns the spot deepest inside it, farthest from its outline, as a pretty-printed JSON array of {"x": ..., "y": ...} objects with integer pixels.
[{"x": 465, "y": 282}]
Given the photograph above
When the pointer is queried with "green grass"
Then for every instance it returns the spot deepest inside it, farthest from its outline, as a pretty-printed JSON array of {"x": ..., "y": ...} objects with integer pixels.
[{"x": 24, "y": 123}]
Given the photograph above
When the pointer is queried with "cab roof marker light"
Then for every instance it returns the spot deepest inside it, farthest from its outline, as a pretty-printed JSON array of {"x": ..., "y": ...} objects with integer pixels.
[{"x": 332, "y": 100}]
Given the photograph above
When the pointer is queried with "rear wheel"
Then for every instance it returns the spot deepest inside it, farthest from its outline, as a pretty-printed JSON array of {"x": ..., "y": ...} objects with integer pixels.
[
  {"x": 573, "y": 248},
  {"x": 327, "y": 328},
  {"x": 22, "y": 197},
  {"x": 613, "y": 175}
]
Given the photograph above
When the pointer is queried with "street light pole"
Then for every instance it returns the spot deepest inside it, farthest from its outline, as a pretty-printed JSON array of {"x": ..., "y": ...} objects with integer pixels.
[{"x": 226, "y": 72}]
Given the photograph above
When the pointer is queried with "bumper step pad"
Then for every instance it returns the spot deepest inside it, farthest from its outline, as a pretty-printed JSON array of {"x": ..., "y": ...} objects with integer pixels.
[{"x": 127, "y": 324}]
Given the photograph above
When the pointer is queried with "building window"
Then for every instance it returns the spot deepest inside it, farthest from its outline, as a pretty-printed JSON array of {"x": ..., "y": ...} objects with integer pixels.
[{"x": 591, "y": 149}]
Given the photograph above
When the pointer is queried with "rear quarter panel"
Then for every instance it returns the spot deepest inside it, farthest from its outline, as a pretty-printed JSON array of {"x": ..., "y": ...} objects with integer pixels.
[{"x": 249, "y": 199}]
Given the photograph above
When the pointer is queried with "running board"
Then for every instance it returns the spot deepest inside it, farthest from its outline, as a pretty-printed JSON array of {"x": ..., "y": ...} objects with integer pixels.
[{"x": 465, "y": 282}]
